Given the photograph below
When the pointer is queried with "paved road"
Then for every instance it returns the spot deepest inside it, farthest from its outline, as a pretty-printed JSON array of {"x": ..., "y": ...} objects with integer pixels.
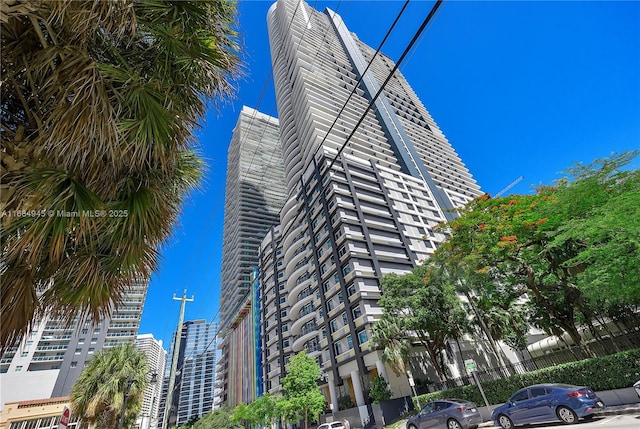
[{"x": 629, "y": 421}]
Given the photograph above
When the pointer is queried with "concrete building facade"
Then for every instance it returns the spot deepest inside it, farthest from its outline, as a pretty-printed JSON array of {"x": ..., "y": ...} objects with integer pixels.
[
  {"x": 355, "y": 211},
  {"x": 47, "y": 362},
  {"x": 157, "y": 361}
]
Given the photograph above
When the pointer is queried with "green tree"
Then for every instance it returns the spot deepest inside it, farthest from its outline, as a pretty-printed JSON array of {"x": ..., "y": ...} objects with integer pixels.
[
  {"x": 302, "y": 399},
  {"x": 263, "y": 411},
  {"x": 380, "y": 390},
  {"x": 552, "y": 246},
  {"x": 221, "y": 418},
  {"x": 425, "y": 305},
  {"x": 99, "y": 103},
  {"x": 387, "y": 334},
  {"x": 98, "y": 395}
]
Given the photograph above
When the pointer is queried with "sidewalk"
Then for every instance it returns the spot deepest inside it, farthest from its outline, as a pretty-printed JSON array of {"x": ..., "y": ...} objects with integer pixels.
[{"x": 608, "y": 411}]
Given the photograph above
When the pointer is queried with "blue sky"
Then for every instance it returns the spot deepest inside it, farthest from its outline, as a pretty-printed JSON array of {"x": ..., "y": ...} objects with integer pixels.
[{"x": 519, "y": 88}]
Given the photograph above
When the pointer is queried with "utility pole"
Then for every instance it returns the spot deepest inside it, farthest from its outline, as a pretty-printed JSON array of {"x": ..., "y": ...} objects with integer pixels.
[{"x": 174, "y": 358}]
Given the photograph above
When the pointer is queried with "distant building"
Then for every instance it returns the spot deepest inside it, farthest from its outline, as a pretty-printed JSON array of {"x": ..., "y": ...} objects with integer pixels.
[
  {"x": 47, "y": 362},
  {"x": 157, "y": 360},
  {"x": 255, "y": 192},
  {"x": 194, "y": 391},
  {"x": 36, "y": 414}
]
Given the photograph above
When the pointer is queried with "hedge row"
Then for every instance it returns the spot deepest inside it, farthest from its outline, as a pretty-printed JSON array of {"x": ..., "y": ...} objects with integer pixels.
[{"x": 604, "y": 373}]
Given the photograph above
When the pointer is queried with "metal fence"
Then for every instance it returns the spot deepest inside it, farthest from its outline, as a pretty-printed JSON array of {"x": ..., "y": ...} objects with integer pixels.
[{"x": 603, "y": 347}]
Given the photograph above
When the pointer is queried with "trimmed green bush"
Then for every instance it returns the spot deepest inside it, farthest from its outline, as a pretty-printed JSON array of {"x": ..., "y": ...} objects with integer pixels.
[{"x": 604, "y": 373}]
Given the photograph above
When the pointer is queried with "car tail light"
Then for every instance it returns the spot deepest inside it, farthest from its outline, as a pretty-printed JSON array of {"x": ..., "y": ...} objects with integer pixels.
[
  {"x": 576, "y": 394},
  {"x": 461, "y": 409}
]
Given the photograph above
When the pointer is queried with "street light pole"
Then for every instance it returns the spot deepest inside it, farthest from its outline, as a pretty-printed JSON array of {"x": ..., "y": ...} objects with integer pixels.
[
  {"x": 124, "y": 405},
  {"x": 130, "y": 381}
]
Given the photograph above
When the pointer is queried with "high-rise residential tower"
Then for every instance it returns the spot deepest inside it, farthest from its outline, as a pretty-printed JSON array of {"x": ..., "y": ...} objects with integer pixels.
[
  {"x": 157, "y": 360},
  {"x": 255, "y": 192},
  {"x": 47, "y": 362},
  {"x": 254, "y": 196},
  {"x": 363, "y": 200},
  {"x": 194, "y": 391}
]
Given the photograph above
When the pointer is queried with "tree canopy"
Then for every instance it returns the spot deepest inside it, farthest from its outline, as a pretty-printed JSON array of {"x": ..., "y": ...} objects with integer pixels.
[
  {"x": 99, "y": 103},
  {"x": 220, "y": 418},
  {"x": 423, "y": 306},
  {"x": 570, "y": 249},
  {"x": 564, "y": 257},
  {"x": 98, "y": 395},
  {"x": 302, "y": 399}
]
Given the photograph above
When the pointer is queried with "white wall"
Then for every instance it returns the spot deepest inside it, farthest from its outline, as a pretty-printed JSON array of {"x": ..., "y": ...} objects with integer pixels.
[{"x": 27, "y": 386}]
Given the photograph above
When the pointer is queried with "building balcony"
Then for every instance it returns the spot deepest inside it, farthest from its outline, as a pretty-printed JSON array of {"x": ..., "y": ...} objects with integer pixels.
[
  {"x": 274, "y": 373},
  {"x": 289, "y": 210},
  {"x": 295, "y": 264},
  {"x": 300, "y": 340},
  {"x": 48, "y": 348},
  {"x": 293, "y": 237},
  {"x": 297, "y": 284},
  {"x": 47, "y": 358},
  {"x": 296, "y": 326},
  {"x": 296, "y": 309},
  {"x": 345, "y": 355}
]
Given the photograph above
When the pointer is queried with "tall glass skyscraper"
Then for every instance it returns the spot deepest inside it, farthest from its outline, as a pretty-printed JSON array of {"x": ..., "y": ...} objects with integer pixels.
[
  {"x": 194, "y": 391},
  {"x": 254, "y": 196},
  {"x": 351, "y": 215},
  {"x": 255, "y": 192}
]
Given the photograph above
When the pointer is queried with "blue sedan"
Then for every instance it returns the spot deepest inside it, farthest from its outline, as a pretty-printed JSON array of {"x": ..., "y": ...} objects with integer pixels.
[{"x": 545, "y": 403}]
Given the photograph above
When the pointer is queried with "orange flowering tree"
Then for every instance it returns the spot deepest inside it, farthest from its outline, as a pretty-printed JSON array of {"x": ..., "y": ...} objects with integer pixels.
[{"x": 551, "y": 247}]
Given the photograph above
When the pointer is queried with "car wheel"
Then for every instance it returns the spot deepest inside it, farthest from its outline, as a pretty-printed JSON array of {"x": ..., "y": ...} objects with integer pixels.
[
  {"x": 412, "y": 427},
  {"x": 505, "y": 422},
  {"x": 453, "y": 424},
  {"x": 567, "y": 415}
]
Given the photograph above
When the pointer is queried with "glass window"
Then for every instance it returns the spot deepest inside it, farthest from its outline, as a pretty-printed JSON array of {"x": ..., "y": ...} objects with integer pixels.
[
  {"x": 520, "y": 396},
  {"x": 357, "y": 312},
  {"x": 351, "y": 290},
  {"x": 427, "y": 408},
  {"x": 538, "y": 391}
]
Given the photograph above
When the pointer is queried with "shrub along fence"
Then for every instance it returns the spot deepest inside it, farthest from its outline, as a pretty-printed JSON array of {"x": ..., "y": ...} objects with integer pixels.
[{"x": 602, "y": 373}]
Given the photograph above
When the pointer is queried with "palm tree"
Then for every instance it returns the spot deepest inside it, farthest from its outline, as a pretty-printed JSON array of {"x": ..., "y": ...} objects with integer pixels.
[
  {"x": 388, "y": 335},
  {"x": 98, "y": 395},
  {"x": 99, "y": 103}
]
